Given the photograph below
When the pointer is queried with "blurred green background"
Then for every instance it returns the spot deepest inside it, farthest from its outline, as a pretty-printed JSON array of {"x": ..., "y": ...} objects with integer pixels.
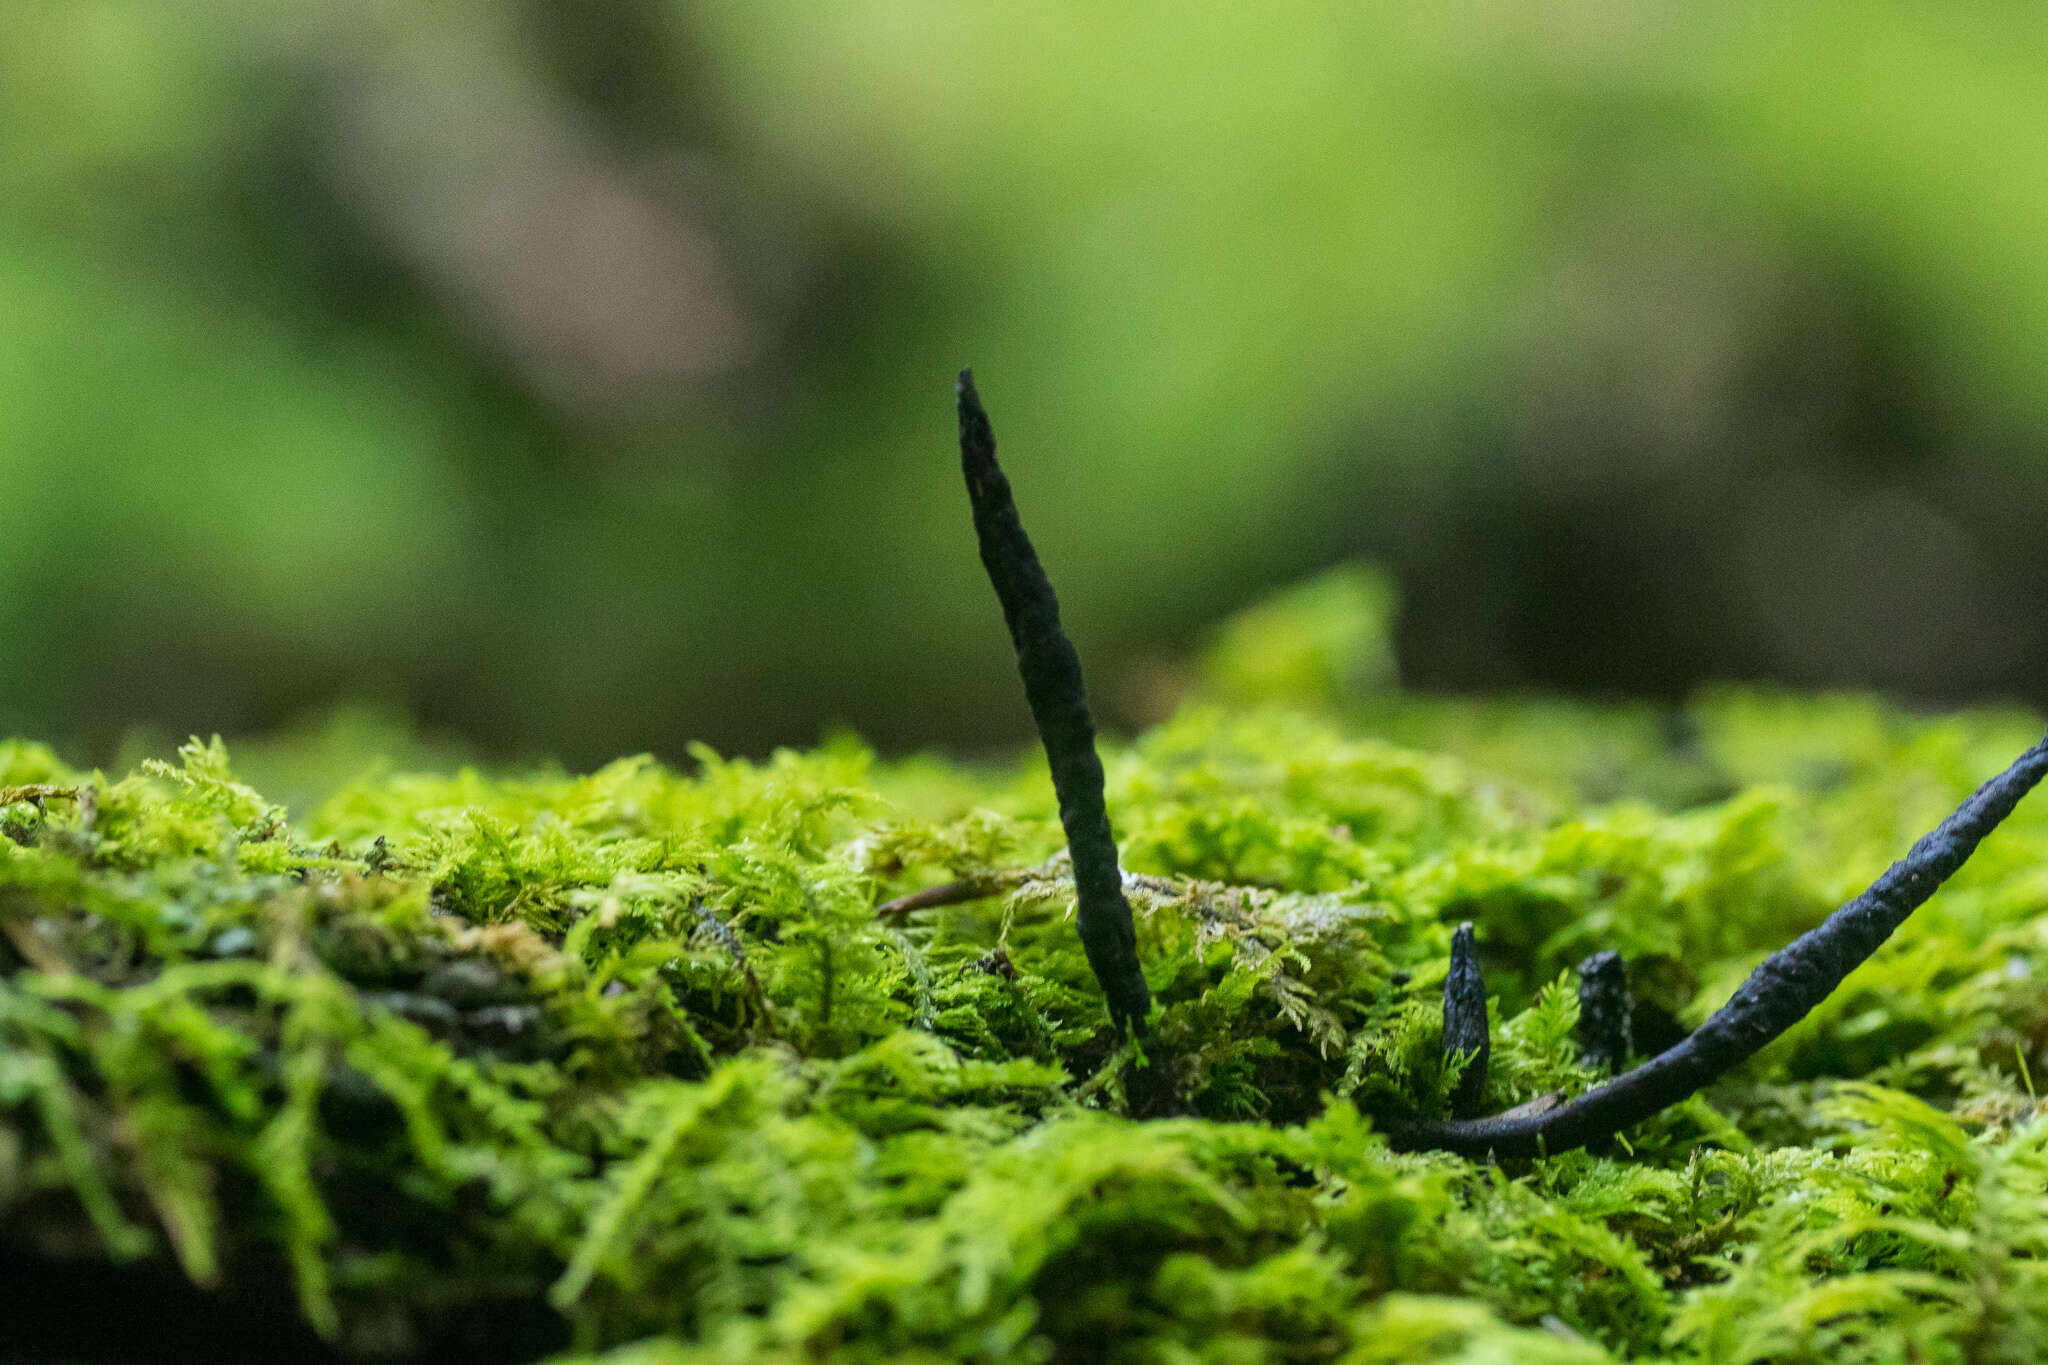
[{"x": 576, "y": 378}]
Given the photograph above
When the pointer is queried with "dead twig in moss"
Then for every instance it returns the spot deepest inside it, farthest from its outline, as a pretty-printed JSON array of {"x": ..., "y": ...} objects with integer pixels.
[
  {"x": 951, "y": 893},
  {"x": 1781, "y": 991},
  {"x": 973, "y": 889},
  {"x": 1059, "y": 705},
  {"x": 37, "y": 792}
]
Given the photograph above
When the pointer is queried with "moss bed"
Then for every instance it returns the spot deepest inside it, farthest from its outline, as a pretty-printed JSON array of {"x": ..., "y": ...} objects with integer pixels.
[{"x": 626, "y": 1066}]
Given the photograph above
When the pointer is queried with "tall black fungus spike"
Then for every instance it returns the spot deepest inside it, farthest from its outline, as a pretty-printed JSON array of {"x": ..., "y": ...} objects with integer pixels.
[
  {"x": 1059, "y": 705},
  {"x": 1604, "y": 1009},
  {"x": 1777, "y": 995},
  {"x": 1465, "y": 1028}
]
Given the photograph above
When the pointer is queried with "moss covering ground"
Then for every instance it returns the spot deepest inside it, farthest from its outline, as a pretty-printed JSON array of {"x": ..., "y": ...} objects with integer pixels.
[{"x": 635, "y": 1045}]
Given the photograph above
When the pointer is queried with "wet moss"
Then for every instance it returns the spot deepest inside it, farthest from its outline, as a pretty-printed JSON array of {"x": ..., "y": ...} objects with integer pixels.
[{"x": 626, "y": 1062}]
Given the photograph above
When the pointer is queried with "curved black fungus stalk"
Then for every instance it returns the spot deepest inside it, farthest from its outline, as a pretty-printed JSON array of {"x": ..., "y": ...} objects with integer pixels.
[
  {"x": 1777, "y": 995},
  {"x": 1059, "y": 705},
  {"x": 1465, "y": 1031},
  {"x": 1604, "y": 1009}
]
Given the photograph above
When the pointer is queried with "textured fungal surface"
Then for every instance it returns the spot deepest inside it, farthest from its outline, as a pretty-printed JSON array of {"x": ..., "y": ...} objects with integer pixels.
[
  {"x": 1051, "y": 670},
  {"x": 1604, "y": 1006},
  {"x": 626, "y": 1065},
  {"x": 1467, "y": 1037}
]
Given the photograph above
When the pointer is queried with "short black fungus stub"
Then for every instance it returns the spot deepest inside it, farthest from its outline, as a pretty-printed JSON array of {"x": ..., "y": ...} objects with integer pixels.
[
  {"x": 1604, "y": 1010},
  {"x": 1465, "y": 1031}
]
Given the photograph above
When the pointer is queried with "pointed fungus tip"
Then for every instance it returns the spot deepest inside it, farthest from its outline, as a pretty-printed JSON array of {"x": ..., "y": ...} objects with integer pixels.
[{"x": 977, "y": 441}]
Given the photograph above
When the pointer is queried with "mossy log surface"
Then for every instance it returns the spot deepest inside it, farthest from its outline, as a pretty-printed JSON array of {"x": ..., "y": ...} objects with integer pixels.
[{"x": 625, "y": 1065}]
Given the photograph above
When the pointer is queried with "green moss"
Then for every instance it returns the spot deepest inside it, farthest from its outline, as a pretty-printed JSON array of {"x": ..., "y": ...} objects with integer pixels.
[{"x": 634, "y": 1045}]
